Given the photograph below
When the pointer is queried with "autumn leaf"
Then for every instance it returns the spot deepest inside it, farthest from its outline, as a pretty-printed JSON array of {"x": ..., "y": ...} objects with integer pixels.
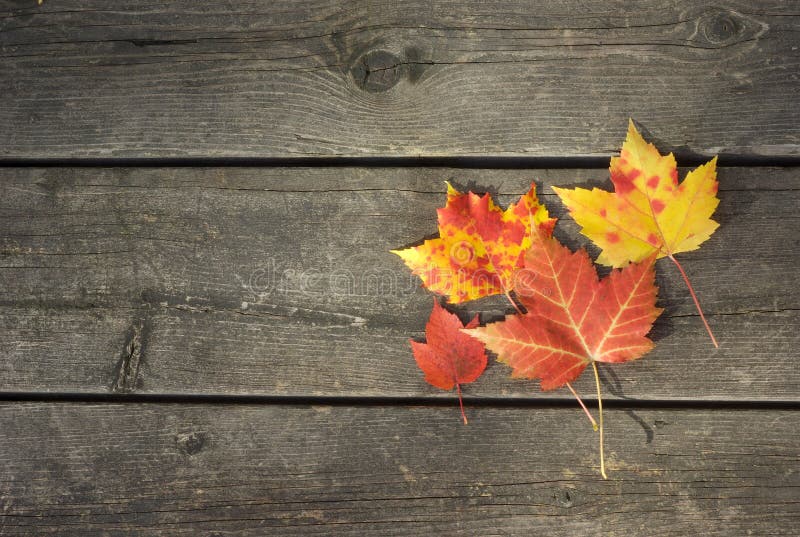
[
  {"x": 450, "y": 357},
  {"x": 479, "y": 247},
  {"x": 649, "y": 212},
  {"x": 573, "y": 318}
]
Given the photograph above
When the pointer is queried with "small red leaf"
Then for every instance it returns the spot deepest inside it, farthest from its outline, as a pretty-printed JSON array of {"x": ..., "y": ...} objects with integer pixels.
[{"x": 450, "y": 357}]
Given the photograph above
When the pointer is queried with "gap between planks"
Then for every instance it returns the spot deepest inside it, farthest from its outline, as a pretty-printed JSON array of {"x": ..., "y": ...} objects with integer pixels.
[
  {"x": 685, "y": 158},
  {"x": 385, "y": 401}
]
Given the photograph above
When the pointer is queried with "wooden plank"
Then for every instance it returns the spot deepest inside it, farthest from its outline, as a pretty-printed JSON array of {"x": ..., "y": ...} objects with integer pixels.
[
  {"x": 280, "y": 282},
  {"x": 75, "y": 469},
  {"x": 225, "y": 353},
  {"x": 320, "y": 78}
]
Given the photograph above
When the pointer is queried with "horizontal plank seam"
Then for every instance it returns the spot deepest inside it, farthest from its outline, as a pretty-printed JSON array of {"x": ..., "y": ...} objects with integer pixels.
[
  {"x": 147, "y": 307},
  {"x": 382, "y": 401},
  {"x": 480, "y": 162}
]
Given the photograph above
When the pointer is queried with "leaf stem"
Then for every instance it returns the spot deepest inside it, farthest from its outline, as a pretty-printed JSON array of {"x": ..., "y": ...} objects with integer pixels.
[
  {"x": 583, "y": 406},
  {"x": 600, "y": 411},
  {"x": 696, "y": 302},
  {"x": 461, "y": 403},
  {"x": 508, "y": 296}
]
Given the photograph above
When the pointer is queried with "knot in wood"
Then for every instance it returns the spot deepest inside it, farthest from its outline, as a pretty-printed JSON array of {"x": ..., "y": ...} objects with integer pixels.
[
  {"x": 722, "y": 27},
  {"x": 378, "y": 70},
  {"x": 190, "y": 443}
]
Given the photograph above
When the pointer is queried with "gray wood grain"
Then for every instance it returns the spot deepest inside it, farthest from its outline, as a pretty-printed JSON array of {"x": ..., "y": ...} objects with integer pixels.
[
  {"x": 329, "y": 78},
  {"x": 280, "y": 282},
  {"x": 119, "y": 470}
]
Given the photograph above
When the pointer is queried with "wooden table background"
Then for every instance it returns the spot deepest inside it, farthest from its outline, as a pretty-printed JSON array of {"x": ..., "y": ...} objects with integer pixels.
[{"x": 202, "y": 331}]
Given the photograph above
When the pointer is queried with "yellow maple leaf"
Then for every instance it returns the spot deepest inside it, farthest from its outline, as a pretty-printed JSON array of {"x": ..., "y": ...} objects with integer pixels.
[
  {"x": 480, "y": 246},
  {"x": 649, "y": 212}
]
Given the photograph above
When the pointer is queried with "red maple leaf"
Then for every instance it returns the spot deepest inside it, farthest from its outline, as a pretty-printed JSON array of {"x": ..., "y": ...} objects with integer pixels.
[
  {"x": 450, "y": 357},
  {"x": 573, "y": 318}
]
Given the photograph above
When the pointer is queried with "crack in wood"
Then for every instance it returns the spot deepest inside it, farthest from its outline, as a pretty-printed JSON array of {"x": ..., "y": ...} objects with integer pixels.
[
  {"x": 161, "y": 42},
  {"x": 126, "y": 374}
]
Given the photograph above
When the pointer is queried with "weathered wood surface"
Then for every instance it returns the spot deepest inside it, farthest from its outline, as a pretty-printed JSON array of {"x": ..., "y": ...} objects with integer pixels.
[
  {"x": 328, "y": 78},
  {"x": 118, "y": 470},
  {"x": 277, "y": 281}
]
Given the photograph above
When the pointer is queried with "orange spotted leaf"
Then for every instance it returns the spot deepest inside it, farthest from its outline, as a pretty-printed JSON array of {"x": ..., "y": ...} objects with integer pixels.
[
  {"x": 480, "y": 246},
  {"x": 573, "y": 318},
  {"x": 450, "y": 357}
]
